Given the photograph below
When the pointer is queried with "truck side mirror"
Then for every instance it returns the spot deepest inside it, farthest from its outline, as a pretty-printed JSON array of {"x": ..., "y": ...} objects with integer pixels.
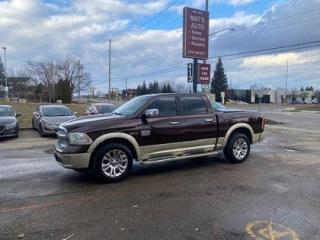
[
  {"x": 152, "y": 112},
  {"x": 148, "y": 114}
]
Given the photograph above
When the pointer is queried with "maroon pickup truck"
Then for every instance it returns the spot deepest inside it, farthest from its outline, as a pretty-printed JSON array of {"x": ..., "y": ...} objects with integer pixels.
[{"x": 156, "y": 128}]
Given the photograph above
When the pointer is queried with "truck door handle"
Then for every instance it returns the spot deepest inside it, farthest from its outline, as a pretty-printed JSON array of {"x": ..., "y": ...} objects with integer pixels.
[
  {"x": 173, "y": 123},
  {"x": 208, "y": 120}
]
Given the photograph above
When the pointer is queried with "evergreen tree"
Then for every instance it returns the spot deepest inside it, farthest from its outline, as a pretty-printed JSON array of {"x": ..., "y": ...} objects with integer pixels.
[
  {"x": 144, "y": 89},
  {"x": 151, "y": 88},
  {"x": 156, "y": 88},
  {"x": 2, "y": 73},
  {"x": 219, "y": 82},
  {"x": 164, "y": 88},
  {"x": 301, "y": 89},
  {"x": 309, "y": 88},
  {"x": 138, "y": 91},
  {"x": 169, "y": 88}
]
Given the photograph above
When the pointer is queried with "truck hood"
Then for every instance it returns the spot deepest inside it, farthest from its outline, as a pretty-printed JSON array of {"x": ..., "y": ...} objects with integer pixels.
[{"x": 90, "y": 122}]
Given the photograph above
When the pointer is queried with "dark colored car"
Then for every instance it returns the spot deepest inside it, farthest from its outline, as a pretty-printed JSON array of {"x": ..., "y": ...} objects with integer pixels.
[
  {"x": 156, "y": 128},
  {"x": 100, "y": 108},
  {"x": 47, "y": 118},
  {"x": 9, "y": 125}
]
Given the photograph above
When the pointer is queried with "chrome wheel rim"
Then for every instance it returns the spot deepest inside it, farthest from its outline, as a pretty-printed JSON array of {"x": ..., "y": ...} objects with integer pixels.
[
  {"x": 114, "y": 163},
  {"x": 240, "y": 148}
]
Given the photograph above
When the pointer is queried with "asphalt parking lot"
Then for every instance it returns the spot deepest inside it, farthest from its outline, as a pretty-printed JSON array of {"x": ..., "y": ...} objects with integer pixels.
[{"x": 274, "y": 195}]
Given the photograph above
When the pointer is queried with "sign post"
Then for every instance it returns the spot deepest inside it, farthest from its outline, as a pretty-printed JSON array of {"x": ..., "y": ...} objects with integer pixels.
[
  {"x": 190, "y": 72},
  {"x": 195, "y": 38}
]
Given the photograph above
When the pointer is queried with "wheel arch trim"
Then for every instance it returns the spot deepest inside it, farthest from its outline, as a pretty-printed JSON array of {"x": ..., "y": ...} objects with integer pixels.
[
  {"x": 116, "y": 135},
  {"x": 233, "y": 128}
]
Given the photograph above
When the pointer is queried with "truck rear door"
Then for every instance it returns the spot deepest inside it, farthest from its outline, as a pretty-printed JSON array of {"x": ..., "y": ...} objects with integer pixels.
[{"x": 199, "y": 127}]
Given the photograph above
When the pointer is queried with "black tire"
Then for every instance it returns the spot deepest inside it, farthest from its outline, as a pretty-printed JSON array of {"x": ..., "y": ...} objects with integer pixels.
[
  {"x": 42, "y": 134},
  {"x": 98, "y": 161},
  {"x": 234, "y": 152}
]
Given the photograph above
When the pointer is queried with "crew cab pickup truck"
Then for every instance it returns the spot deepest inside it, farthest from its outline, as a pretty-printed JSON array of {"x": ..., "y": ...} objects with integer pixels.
[{"x": 156, "y": 128}]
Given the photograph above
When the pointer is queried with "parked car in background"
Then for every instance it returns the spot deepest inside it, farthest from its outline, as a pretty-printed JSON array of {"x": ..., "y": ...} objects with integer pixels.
[
  {"x": 47, "y": 118},
  {"x": 100, "y": 108},
  {"x": 308, "y": 101},
  {"x": 9, "y": 125}
]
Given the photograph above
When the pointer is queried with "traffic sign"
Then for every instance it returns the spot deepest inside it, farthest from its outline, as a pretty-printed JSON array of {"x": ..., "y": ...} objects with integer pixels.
[
  {"x": 190, "y": 72},
  {"x": 203, "y": 73},
  {"x": 195, "y": 33}
]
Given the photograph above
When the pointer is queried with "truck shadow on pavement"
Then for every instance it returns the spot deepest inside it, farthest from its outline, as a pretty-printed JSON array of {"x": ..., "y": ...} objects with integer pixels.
[{"x": 142, "y": 171}]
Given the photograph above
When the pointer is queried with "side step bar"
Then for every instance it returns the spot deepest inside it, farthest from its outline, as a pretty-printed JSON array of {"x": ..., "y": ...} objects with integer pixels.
[{"x": 148, "y": 162}]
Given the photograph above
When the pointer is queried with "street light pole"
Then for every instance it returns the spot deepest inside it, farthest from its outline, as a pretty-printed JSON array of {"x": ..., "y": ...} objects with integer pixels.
[
  {"x": 5, "y": 69},
  {"x": 109, "y": 96}
]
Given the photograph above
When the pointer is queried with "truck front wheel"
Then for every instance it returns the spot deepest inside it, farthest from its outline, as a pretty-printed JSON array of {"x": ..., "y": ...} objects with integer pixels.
[
  {"x": 238, "y": 148},
  {"x": 112, "y": 162}
]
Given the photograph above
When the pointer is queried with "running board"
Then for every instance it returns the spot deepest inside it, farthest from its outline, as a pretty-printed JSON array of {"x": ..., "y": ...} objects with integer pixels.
[{"x": 148, "y": 162}]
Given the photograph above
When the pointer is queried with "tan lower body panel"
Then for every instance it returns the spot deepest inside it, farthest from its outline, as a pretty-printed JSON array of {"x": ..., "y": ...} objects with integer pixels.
[
  {"x": 73, "y": 161},
  {"x": 180, "y": 149}
]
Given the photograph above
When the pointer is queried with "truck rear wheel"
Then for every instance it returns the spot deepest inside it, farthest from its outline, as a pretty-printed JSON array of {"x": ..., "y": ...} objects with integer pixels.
[
  {"x": 238, "y": 148},
  {"x": 112, "y": 162}
]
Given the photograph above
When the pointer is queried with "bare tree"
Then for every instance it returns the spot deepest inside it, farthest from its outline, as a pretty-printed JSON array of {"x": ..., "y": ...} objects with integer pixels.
[
  {"x": 46, "y": 72},
  {"x": 71, "y": 72},
  {"x": 67, "y": 74}
]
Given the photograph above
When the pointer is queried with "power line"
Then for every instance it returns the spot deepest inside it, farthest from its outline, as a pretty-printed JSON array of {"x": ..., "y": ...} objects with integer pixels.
[
  {"x": 127, "y": 43},
  {"x": 262, "y": 24},
  {"x": 154, "y": 16},
  {"x": 238, "y": 55},
  {"x": 267, "y": 49}
]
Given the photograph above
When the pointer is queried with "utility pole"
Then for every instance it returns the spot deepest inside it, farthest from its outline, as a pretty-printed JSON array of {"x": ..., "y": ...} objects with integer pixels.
[
  {"x": 126, "y": 82},
  {"x": 238, "y": 87},
  {"x": 195, "y": 63},
  {"x": 286, "y": 91},
  {"x": 109, "y": 93},
  {"x": 207, "y": 9},
  {"x": 5, "y": 70}
]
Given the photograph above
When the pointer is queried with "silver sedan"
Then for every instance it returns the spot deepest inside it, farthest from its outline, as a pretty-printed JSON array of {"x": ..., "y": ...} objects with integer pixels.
[{"x": 47, "y": 118}]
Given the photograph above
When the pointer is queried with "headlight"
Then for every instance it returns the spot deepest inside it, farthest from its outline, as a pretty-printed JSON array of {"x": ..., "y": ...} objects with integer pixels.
[
  {"x": 49, "y": 125},
  {"x": 11, "y": 125},
  {"x": 79, "y": 139}
]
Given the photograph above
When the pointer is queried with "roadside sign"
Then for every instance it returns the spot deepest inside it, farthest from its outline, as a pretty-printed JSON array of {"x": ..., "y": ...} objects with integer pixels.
[
  {"x": 195, "y": 33},
  {"x": 190, "y": 72},
  {"x": 203, "y": 73}
]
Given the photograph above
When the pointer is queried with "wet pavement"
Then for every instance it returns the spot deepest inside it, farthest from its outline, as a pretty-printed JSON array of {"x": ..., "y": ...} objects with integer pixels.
[{"x": 274, "y": 195}]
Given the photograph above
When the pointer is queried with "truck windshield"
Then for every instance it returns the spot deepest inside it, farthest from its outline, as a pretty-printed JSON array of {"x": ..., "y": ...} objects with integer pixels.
[{"x": 132, "y": 106}]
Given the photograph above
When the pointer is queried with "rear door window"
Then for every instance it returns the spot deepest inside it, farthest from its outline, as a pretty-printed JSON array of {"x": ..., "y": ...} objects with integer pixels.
[{"x": 193, "y": 105}]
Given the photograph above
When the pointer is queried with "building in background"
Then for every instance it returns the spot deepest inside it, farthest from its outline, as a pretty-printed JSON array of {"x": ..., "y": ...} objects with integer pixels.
[{"x": 20, "y": 88}]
